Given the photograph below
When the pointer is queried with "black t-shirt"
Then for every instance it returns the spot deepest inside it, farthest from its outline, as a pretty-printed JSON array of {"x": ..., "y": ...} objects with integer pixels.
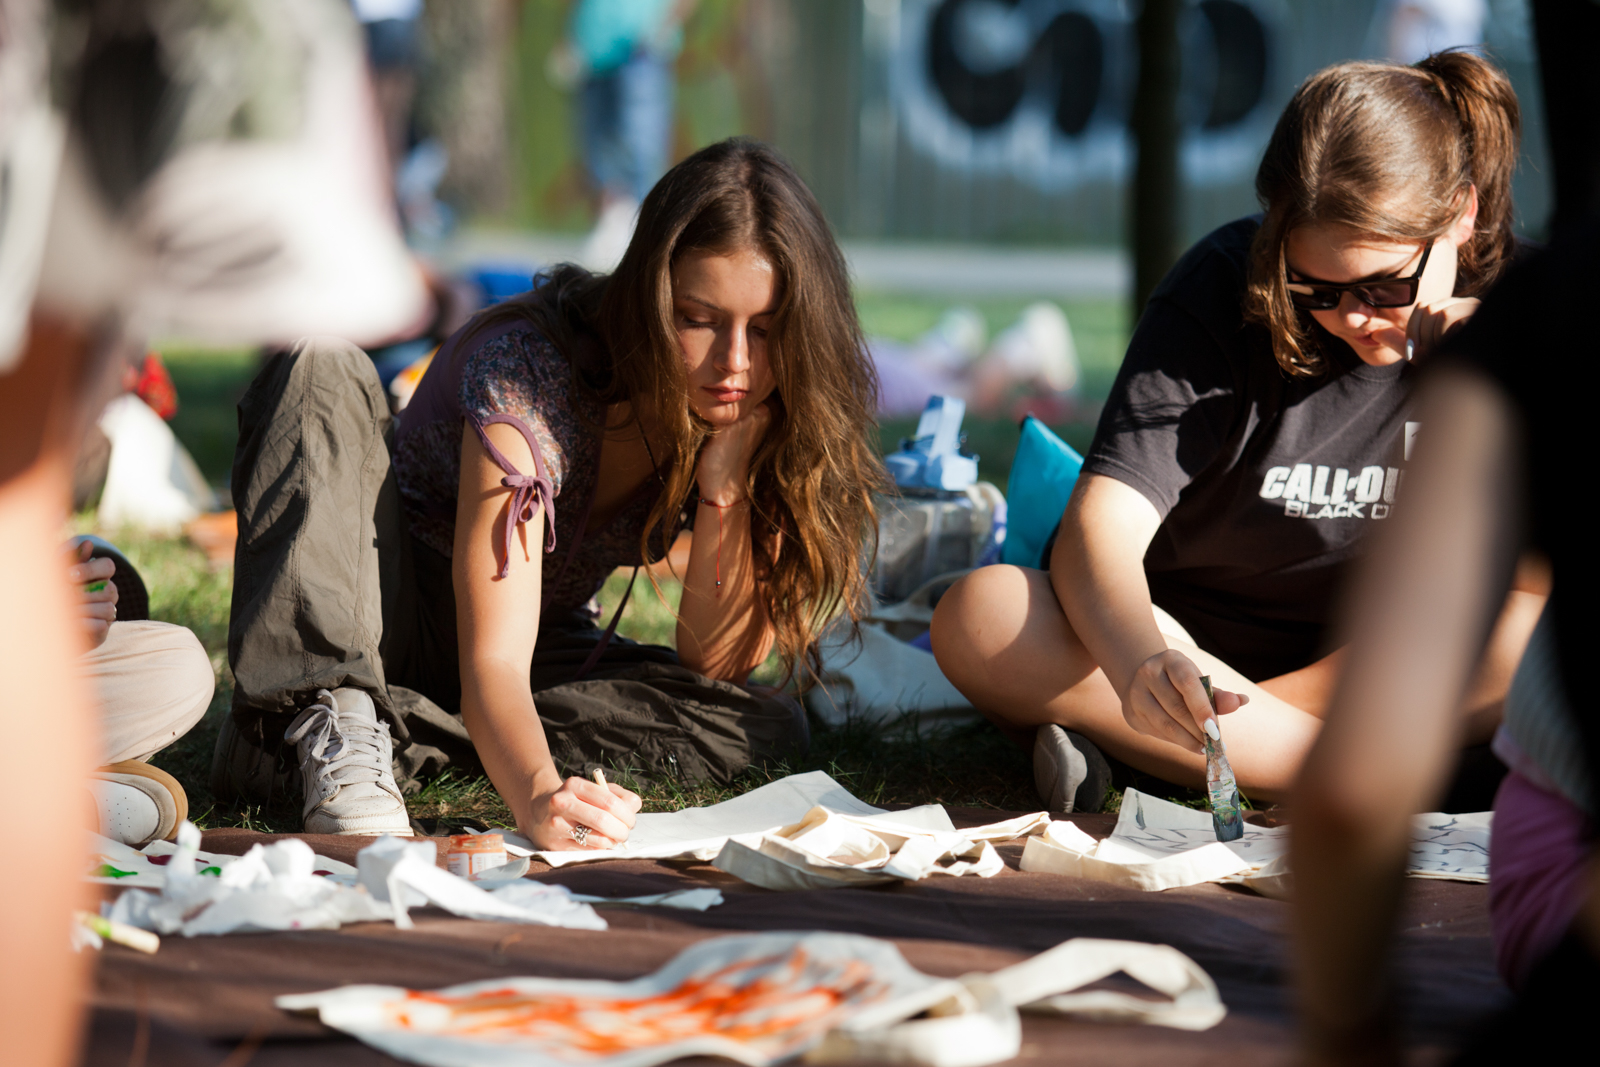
[{"x": 1266, "y": 483}]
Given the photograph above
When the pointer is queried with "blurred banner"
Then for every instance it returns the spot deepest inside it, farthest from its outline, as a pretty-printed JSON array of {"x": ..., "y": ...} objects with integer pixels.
[{"x": 1006, "y": 120}]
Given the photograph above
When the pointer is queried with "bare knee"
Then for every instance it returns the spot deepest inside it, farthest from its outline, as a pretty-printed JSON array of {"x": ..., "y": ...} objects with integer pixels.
[{"x": 977, "y": 620}]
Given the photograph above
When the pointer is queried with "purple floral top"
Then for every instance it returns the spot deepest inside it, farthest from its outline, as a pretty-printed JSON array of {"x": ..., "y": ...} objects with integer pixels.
[{"x": 511, "y": 374}]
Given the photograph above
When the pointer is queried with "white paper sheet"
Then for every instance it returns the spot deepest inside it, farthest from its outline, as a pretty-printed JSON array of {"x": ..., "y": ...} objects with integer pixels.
[
  {"x": 1159, "y": 845},
  {"x": 833, "y": 997},
  {"x": 687, "y": 899}
]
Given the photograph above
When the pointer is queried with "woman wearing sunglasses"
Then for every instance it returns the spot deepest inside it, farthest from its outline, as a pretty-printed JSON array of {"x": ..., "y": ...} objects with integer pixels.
[{"x": 1257, "y": 432}]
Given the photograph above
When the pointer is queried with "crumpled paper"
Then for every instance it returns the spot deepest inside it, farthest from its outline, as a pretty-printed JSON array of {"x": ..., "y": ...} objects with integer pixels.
[
  {"x": 271, "y": 887},
  {"x": 276, "y": 887},
  {"x": 122, "y": 865},
  {"x": 827, "y": 849},
  {"x": 404, "y": 874},
  {"x": 683, "y": 899},
  {"x": 759, "y": 999},
  {"x": 1160, "y": 845}
]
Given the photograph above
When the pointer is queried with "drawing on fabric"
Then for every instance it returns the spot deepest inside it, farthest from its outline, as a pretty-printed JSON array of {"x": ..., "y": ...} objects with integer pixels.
[
  {"x": 1258, "y": 845},
  {"x": 776, "y": 1003},
  {"x": 1152, "y": 835},
  {"x": 1450, "y": 846}
]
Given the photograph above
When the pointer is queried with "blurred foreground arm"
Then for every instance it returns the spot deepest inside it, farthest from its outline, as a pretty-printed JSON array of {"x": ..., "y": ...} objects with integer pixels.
[
  {"x": 46, "y": 711},
  {"x": 1422, "y": 610}
]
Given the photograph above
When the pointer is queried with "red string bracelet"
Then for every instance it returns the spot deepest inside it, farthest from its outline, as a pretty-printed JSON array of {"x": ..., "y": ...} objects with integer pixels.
[{"x": 719, "y": 507}]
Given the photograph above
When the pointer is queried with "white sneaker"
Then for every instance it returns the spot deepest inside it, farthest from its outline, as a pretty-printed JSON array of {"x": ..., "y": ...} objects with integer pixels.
[
  {"x": 136, "y": 803},
  {"x": 345, "y": 765}
]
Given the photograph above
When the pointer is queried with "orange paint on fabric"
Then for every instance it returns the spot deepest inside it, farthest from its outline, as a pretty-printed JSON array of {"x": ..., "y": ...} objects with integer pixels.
[{"x": 735, "y": 1002}]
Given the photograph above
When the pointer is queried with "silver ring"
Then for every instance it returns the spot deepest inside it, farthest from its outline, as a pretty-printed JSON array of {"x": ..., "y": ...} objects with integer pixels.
[{"x": 580, "y": 833}]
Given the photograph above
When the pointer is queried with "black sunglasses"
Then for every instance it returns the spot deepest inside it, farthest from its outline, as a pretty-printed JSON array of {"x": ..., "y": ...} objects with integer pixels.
[{"x": 1390, "y": 293}]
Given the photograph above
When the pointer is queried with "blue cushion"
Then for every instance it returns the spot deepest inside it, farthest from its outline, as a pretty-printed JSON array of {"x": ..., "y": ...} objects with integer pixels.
[{"x": 1042, "y": 476}]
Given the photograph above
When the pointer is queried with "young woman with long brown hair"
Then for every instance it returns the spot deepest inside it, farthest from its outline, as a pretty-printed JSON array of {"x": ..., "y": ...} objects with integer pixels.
[
  {"x": 717, "y": 380},
  {"x": 1257, "y": 430}
]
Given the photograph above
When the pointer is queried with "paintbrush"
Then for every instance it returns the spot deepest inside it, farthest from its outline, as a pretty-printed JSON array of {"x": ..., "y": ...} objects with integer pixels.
[{"x": 1221, "y": 789}]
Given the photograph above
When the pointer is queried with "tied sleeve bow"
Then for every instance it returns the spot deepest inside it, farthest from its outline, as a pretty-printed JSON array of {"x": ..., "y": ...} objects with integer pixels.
[{"x": 529, "y": 492}]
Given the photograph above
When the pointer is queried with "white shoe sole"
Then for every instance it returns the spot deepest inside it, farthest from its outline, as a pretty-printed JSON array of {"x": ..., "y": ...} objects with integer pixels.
[{"x": 172, "y": 803}]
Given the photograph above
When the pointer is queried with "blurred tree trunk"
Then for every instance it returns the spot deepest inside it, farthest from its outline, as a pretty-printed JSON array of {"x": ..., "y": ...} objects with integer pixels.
[
  {"x": 1157, "y": 190},
  {"x": 462, "y": 98}
]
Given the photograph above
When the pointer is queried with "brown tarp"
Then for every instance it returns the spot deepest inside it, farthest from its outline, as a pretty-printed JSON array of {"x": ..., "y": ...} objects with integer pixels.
[{"x": 209, "y": 999}]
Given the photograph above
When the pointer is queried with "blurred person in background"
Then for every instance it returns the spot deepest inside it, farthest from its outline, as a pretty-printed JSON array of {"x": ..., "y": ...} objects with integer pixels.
[
  {"x": 619, "y": 56},
  {"x": 393, "y": 37},
  {"x": 1255, "y": 435},
  {"x": 154, "y": 181},
  {"x": 1507, "y": 417},
  {"x": 1413, "y": 30}
]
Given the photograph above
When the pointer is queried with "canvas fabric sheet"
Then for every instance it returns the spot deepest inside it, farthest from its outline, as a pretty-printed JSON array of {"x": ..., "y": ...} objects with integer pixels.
[
  {"x": 1160, "y": 845},
  {"x": 806, "y": 831},
  {"x": 198, "y": 997},
  {"x": 760, "y": 999},
  {"x": 827, "y": 849},
  {"x": 699, "y": 833}
]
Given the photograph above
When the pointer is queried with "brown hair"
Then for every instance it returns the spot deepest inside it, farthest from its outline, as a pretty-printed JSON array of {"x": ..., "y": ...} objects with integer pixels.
[
  {"x": 813, "y": 476},
  {"x": 1391, "y": 152}
]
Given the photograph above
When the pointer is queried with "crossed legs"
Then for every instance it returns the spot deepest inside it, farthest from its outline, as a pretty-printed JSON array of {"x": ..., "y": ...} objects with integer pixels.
[{"x": 1001, "y": 638}]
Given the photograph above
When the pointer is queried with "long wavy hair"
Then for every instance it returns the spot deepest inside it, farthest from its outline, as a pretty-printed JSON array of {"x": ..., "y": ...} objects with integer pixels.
[
  {"x": 812, "y": 479},
  {"x": 1392, "y": 152}
]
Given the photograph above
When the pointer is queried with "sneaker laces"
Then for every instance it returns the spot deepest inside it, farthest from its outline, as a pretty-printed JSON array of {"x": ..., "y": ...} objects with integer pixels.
[{"x": 339, "y": 750}]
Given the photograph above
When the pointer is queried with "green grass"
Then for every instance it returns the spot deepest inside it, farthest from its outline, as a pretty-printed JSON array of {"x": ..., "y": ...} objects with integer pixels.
[
  {"x": 968, "y": 766},
  {"x": 209, "y": 385}
]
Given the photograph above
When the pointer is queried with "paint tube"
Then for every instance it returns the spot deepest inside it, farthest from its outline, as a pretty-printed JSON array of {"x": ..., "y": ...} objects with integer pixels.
[{"x": 1221, "y": 789}]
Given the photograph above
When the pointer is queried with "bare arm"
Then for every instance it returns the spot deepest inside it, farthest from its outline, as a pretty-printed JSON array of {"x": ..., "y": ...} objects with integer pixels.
[
  {"x": 48, "y": 710},
  {"x": 1097, "y": 571},
  {"x": 723, "y": 631},
  {"x": 1422, "y": 610},
  {"x": 497, "y": 623}
]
